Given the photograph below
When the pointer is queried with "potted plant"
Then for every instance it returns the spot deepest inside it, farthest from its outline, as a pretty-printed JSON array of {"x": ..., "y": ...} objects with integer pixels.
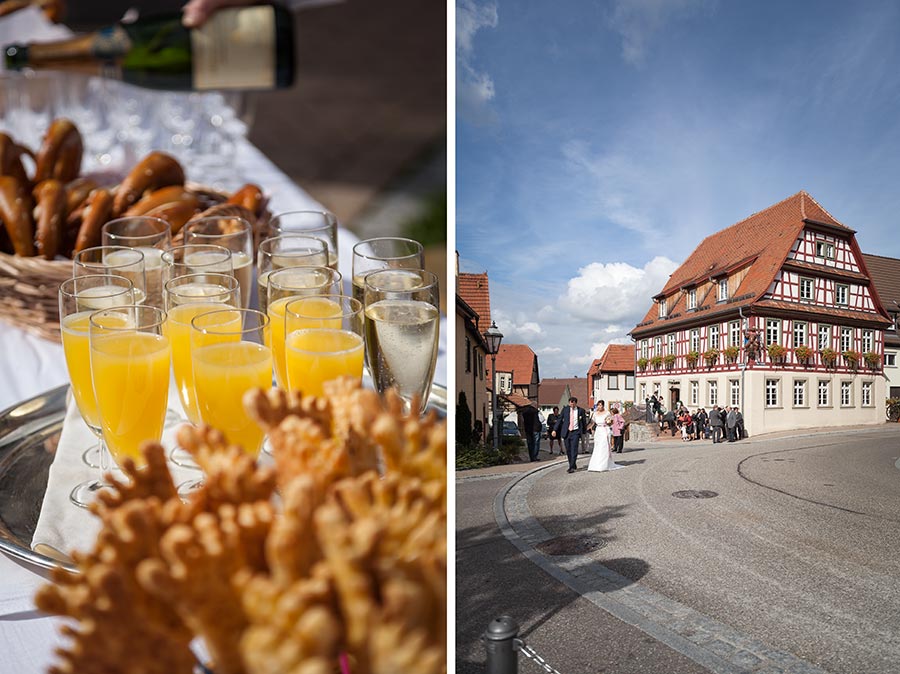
[
  {"x": 776, "y": 352},
  {"x": 873, "y": 359},
  {"x": 692, "y": 358},
  {"x": 656, "y": 361},
  {"x": 829, "y": 357},
  {"x": 711, "y": 356},
  {"x": 669, "y": 360},
  {"x": 731, "y": 353},
  {"x": 851, "y": 358},
  {"x": 803, "y": 353},
  {"x": 642, "y": 363}
]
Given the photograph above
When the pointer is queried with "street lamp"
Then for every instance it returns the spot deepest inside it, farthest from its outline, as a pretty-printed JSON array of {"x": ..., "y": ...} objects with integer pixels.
[{"x": 492, "y": 338}]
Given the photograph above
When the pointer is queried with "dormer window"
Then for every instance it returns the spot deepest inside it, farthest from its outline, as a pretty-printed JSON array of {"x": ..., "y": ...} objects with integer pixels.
[
  {"x": 662, "y": 308},
  {"x": 723, "y": 289},
  {"x": 806, "y": 289},
  {"x": 841, "y": 293},
  {"x": 825, "y": 249},
  {"x": 692, "y": 298}
]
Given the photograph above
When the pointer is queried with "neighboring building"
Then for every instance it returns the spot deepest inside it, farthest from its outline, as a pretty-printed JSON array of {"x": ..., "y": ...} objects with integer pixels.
[
  {"x": 471, "y": 353},
  {"x": 776, "y": 314},
  {"x": 517, "y": 371},
  {"x": 475, "y": 290},
  {"x": 885, "y": 273},
  {"x": 556, "y": 393},
  {"x": 611, "y": 377}
]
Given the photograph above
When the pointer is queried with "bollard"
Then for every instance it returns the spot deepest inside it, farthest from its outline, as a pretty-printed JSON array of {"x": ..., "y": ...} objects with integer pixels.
[{"x": 500, "y": 644}]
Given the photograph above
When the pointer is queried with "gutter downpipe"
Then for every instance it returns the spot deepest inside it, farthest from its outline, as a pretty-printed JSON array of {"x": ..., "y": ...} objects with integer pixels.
[{"x": 743, "y": 363}]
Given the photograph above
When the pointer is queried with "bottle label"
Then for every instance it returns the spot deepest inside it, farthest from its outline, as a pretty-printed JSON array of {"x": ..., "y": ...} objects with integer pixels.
[{"x": 235, "y": 49}]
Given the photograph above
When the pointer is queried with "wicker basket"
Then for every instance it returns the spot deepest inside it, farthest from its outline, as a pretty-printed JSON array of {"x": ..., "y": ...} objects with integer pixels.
[{"x": 29, "y": 286}]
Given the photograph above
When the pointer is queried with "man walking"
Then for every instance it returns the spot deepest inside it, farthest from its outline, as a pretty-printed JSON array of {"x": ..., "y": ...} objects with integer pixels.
[
  {"x": 552, "y": 418},
  {"x": 531, "y": 424},
  {"x": 571, "y": 424},
  {"x": 715, "y": 423},
  {"x": 731, "y": 424}
]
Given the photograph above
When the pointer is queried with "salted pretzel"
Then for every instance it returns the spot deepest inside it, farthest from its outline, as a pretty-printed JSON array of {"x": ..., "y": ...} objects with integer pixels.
[{"x": 60, "y": 153}]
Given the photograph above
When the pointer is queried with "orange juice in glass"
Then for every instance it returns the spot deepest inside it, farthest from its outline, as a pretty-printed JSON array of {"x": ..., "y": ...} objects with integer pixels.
[
  {"x": 323, "y": 342},
  {"x": 130, "y": 370},
  {"x": 288, "y": 284},
  {"x": 231, "y": 353},
  {"x": 187, "y": 297}
]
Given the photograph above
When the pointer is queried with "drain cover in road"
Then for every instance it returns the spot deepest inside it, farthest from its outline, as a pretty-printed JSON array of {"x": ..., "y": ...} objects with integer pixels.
[
  {"x": 695, "y": 493},
  {"x": 571, "y": 545}
]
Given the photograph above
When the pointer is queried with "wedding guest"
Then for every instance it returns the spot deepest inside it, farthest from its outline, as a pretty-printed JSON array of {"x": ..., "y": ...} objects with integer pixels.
[{"x": 618, "y": 430}]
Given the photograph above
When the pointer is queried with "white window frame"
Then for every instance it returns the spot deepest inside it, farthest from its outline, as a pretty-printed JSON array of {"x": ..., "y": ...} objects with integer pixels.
[
  {"x": 846, "y": 339},
  {"x": 713, "y": 337},
  {"x": 612, "y": 382},
  {"x": 799, "y": 391},
  {"x": 773, "y": 331},
  {"x": 890, "y": 359},
  {"x": 868, "y": 341},
  {"x": 799, "y": 333},
  {"x": 695, "y": 340},
  {"x": 629, "y": 382},
  {"x": 722, "y": 290},
  {"x": 772, "y": 393},
  {"x": 824, "y": 387},
  {"x": 734, "y": 334},
  {"x": 807, "y": 289},
  {"x": 825, "y": 249},
  {"x": 691, "y": 299},
  {"x": 734, "y": 386},
  {"x": 662, "y": 308},
  {"x": 643, "y": 390},
  {"x": 644, "y": 346},
  {"x": 695, "y": 393},
  {"x": 841, "y": 294},
  {"x": 657, "y": 346},
  {"x": 824, "y": 336},
  {"x": 846, "y": 393},
  {"x": 671, "y": 348},
  {"x": 712, "y": 392},
  {"x": 865, "y": 394},
  {"x": 656, "y": 389}
]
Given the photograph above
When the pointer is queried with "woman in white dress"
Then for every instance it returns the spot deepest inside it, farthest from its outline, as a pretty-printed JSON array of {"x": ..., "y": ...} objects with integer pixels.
[{"x": 601, "y": 458}]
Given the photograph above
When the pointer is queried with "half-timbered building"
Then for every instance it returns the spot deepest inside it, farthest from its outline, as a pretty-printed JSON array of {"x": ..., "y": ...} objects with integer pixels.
[{"x": 776, "y": 315}]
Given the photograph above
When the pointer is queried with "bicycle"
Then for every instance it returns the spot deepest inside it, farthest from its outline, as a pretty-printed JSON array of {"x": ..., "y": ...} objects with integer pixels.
[{"x": 892, "y": 409}]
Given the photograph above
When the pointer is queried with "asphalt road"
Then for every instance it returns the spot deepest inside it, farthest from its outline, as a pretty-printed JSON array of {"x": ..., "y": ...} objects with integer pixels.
[{"x": 799, "y": 551}]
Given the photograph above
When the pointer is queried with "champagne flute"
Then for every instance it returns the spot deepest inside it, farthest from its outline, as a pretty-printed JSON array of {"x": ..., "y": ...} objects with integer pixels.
[
  {"x": 384, "y": 252},
  {"x": 287, "y": 251},
  {"x": 130, "y": 368},
  {"x": 324, "y": 341},
  {"x": 320, "y": 224},
  {"x": 402, "y": 311},
  {"x": 231, "y": 354},
  {"x": 118, "y": 260},
  {"x": 194, "y": 258},
  {"x": 233, "y": 233},
  {"x": 149, "y": 235},
  {"x": 79, "y": 297},
  {"x": 285, "y": 285}
]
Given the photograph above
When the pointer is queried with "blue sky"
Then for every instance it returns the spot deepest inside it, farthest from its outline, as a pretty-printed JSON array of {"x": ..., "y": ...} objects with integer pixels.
[{"x": 599, "y": 142}]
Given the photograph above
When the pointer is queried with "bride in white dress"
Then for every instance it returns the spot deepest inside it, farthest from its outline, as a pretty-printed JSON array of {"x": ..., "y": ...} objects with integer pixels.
[{"x": 601, "y": 457}]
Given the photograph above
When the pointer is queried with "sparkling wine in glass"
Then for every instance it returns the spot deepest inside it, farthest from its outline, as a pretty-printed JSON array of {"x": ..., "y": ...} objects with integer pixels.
[
  {"x": 385, "y": 252},
  {"x": 151, "y": 236},
  {"x": 117, "y": 260},
  {"x": 402, "y": 322},
  {"x": 320, "y": 224},
  {"x": 233, "y": 233},
  {"x": 194, "y": 258},
  {"x": 79, "y": 297},
  {"x": 284, "y": 252}
]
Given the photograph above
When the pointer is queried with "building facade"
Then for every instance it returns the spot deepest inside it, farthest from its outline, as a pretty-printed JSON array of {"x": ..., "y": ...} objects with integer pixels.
[
  {"x": 471, "y": 352},
  {"x": 885, "y": 273},
  {"x": 611, "y": 377},
  {"x": 776, "y": 315},
  {"x": 517, "y": 373}
]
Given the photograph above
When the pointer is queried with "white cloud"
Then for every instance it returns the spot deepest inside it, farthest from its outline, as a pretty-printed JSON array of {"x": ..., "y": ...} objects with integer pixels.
[
  {"x": 637, "y": 21},
  {"x": 474, "y": 88},
  {"x": 549, "y": 351},
  {"x": 616, "y": 292}
]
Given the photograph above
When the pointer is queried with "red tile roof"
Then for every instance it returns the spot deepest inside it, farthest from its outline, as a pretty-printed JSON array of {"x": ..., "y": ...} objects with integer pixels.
[
  {"x": 516, "y": 358},
  {"x": 616, "y": 358},
  {"x": 759, "y": 243},
  {"x": 475, "y": 290},
  {"x": 552, "y": 389},
  {"x": 518, "y": 400}
]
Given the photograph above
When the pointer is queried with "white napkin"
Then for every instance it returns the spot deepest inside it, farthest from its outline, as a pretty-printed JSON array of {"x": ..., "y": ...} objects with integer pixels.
[{"x": 63, "y": 526}]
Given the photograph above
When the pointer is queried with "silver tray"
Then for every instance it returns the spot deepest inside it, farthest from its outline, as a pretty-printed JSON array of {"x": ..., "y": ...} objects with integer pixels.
[{"x": 29, "y": 434}]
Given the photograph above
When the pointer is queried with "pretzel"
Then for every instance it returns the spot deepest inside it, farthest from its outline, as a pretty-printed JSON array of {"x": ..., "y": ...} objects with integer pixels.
[
  {"x": 50, "y": 217},
  {"x": 94, "y": 214},
  {"x": 60, "y": 153},
  {"x": 15, "y": 212},
  {"x": 11, "y": 159},
  {"x": 154, "y": 171}
]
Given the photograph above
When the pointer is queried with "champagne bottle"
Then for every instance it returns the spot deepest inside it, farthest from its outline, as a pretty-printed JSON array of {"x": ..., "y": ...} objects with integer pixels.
[{"x": 236, "y": 48}]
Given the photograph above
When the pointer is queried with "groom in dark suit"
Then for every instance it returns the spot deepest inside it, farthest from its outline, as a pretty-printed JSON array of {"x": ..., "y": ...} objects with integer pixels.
[{"x": 571, "y": 424}]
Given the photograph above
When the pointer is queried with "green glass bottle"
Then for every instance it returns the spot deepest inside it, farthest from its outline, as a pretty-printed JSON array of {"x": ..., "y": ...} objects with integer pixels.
[{"x": 237, "y": 48}]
